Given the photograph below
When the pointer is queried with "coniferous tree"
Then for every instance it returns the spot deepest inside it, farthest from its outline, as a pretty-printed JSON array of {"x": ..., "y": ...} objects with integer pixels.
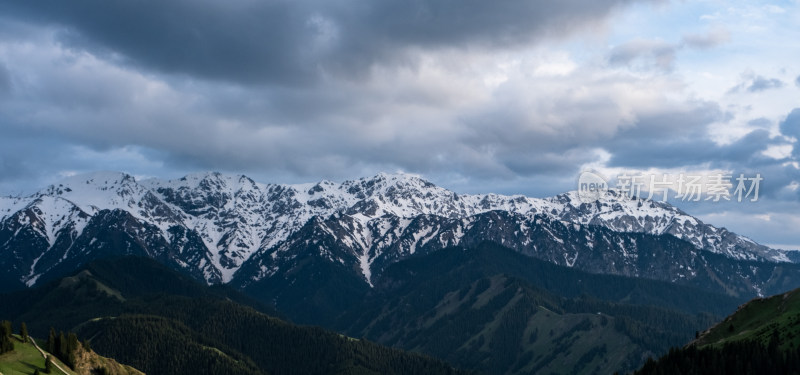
[
  {"x": 51, "y": 341},
  {"x": 48, "y": 364},
  {"x": 5, "y": 328},
  {"x": 72, "y": 347},
  {"x": 72, "y": 342},
  {"x": 23, "y": 331},
  {"x": 6, "y": 345},
  {"x": 61, "y": 346}
]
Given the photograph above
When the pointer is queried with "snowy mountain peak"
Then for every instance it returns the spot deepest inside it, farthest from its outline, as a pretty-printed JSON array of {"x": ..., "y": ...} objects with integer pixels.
[
  {"x": 98, "y": 178},
  {"x": 99, "y": 190},
  {"x": 385, "y": 183},
  {"x": 396, "y": 176},
  {"x": 211, "y": 223},
  {"x": 89, "y": 182},
  {"x": 621, "y": 213},
  {"x": 613, "y": 205},
  {"x": 207, "y": 181}
]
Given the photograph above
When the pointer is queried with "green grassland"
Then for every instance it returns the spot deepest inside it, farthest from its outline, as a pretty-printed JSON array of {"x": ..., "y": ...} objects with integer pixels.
[
  {"x": 758, "y": 320},
  {"x": 761, "y": 337},
  {"x": 24, "y": 360}
]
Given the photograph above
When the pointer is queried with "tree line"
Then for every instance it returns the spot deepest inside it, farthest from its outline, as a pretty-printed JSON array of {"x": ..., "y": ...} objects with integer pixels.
[{"x": 735, "y": 358}]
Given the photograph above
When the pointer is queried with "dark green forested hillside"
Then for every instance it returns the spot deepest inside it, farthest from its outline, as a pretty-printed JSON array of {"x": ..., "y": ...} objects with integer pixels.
[
  {"x": 249, "y": 337},
  {"x": 197, "y": 330},
  {"x": 102, "y": 288},
  {"x": 487, "y": 308},
  {"x": 492, "y": 309},
  {"x": 761, "y": 337}
]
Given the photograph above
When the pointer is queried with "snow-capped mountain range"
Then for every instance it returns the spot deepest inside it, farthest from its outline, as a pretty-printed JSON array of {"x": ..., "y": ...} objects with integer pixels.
[{"x": 229, "y": 228}]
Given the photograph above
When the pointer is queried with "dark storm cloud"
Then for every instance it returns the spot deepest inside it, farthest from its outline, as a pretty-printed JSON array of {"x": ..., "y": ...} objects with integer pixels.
[
  {"x": 678, "y": 152},
  {"x": 20, "y": 161},
  {"x": 778, "y": 180},
  {"x": 238, "y": 40},
  {"x": 791, "y": 127},
  {"x": 341, "y": 125},
  {"x": 111, "y": 99},
  {"x": 670, "y": 139},
  {"x": 288, "y": 42},
  {"x": 656, "y": 142},
  {"x": 745, "y": 155}
]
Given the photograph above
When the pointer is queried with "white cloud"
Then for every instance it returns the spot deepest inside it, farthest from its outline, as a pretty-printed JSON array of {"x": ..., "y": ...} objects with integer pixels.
[{"x": 779, "y": 152}]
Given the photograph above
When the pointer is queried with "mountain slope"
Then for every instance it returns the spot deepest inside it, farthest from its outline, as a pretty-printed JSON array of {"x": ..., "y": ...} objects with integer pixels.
[
  {"x": 334, "y": 243},
  {"x": 102, "y": 288},
  {"x": 223, "y": 228},
  {"x": 494, "y": 310},
  {"x": 761, "y": 337},
  {"x": 759, "y": 320},
  {"x": 168, "y": 324}
]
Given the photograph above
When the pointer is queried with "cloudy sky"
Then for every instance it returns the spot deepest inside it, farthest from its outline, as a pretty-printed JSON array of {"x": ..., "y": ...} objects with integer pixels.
[{"x": 478, "y": 96}]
